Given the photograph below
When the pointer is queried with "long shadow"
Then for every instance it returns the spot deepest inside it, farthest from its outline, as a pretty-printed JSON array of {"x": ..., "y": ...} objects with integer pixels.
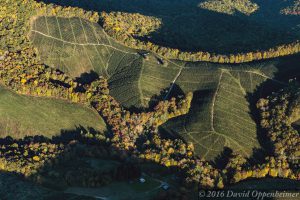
[
  {"x": 87, "y": 77},
  {"x": 221, "y": 160},
  {"x": 264, "y": 90},
  {"x": 190, "y": 28},
  {"x": 287, "y": 68}
]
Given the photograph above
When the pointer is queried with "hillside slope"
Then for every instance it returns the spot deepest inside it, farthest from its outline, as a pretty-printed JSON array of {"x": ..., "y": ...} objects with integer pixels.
[{"x": 221, "y": 114}]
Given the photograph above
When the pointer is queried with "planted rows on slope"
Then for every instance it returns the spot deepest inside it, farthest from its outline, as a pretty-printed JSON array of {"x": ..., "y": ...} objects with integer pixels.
[
  {"x": 220, "y": 115},
  {"x": 64, "y": 44},
  {"x": 76, "y": 46}
]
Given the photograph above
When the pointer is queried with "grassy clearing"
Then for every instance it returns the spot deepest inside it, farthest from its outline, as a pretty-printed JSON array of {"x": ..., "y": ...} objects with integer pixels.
[{"x": 23, "y": 115}]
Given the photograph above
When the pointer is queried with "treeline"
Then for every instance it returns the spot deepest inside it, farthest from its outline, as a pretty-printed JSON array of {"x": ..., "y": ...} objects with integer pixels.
[
  {"x": 59, "y": 11},
  {"x": 126, "y": 126},
  {"x": 15, "y": 23},
  {"x": 20, "y": 67},
  {"x": 278, "y": 113},
  {"x": 111, "y": 26}
]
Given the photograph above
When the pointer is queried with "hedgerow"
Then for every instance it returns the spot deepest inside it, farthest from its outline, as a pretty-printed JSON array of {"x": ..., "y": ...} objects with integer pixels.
[{"x": 114, "y": 21}]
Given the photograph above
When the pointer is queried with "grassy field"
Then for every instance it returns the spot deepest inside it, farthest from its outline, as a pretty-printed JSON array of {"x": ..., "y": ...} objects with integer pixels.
[
  {"x": 191, "y": 27},
  {"x": 222, "y": 113},
  {"x": 23, "y": 115}
]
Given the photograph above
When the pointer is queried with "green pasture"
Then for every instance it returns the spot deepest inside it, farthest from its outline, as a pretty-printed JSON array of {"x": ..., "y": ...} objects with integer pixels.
[{"x": 24, "y": 115}]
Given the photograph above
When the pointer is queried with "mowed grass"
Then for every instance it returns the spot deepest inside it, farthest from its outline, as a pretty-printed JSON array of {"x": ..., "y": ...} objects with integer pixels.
[
  {"x": 23, "y": 115},
  {"x": 222, "y": 109}
]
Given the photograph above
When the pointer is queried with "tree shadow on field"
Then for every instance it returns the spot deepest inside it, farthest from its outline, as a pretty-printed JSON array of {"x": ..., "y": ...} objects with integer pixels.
[
  {"x": 287, "y": 68},
  {"x": 87, "y": 77},
  {"x": 188, "y": 27},
  {"x": 197, "y": 104},
  {"x": 221, "y": 160}
]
